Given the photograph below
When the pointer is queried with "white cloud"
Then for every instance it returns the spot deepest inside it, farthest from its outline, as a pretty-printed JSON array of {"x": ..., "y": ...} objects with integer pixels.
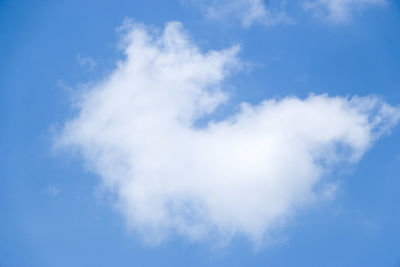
[
  {"x": 244, "y": 175},
  {"x": 247, "y": 12},
  {"x": 250, "y": 12},
  {"x": 338, "y": 10}
]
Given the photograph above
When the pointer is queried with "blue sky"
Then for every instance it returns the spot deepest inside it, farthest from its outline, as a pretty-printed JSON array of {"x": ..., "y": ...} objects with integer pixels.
[{"x": 65, "y": 200}]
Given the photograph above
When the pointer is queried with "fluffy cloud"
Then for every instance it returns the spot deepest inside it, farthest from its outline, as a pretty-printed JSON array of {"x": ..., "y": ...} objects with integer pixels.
[
  {"x": 137, "y": 129},
  {"x": 338, "y": 10}
]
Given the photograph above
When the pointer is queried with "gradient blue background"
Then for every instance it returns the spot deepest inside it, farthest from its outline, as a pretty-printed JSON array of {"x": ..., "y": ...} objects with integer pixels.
[{"x": 39, "y": 46}]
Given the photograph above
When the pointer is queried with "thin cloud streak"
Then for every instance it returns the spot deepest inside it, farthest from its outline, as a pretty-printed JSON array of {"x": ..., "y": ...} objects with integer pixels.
[
  {"x": 339, "y": 11},
  {"x": 247, "y": 12},
  {"x": 250, "y": 12}
]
